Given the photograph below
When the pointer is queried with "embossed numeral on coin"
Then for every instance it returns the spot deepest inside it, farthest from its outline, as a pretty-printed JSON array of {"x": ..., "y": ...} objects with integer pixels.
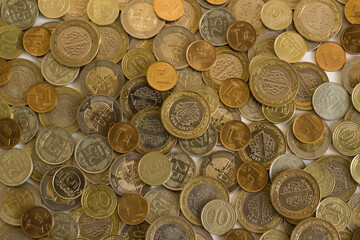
[{"x": 221, "y": 217}]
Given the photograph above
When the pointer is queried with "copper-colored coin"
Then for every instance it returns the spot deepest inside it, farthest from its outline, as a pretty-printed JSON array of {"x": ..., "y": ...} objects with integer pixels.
[
  {"x": 37, "y": 222},
  {"x": 169, "y": 10},
  {"x": 161, "y": 76},
  {"x": 234, "y": 92},
  {"x": 235, "y": 135},
  {"x": 239, "y": 234},
  {"x": 10, "y": 132},
  {"x": 42, "y": 98},
  {"x": 36, "y": 41},
  {"x": 308, "y": 128},
  {"x": 217, "y": 2},
  {"x": 201, "y": 55},
  {"x": 350, "y": 39},
  {"x": 330, "y": 56},
  {"x": 5, "y": 72},
  {"x": 351, "y": 11},
  {"x": 133, "y": 208},
  {"x": 252, "y": 176},
  {"x": 241, "y": 36},
  {"x": 123, "y": 137}
]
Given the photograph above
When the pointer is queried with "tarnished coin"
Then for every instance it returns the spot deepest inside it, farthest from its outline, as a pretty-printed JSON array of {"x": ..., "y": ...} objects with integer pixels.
[
  {"x": 241, "y": 36},
  {"x": 168, "y": 227},
  {"x": 354, "y": 169},
  {"x": 64, "y": 221},
  {"x": 201, "y": 55},
  {"x": 351, "y": 11},
  {"x": 123, "y": 137},
  {"x": 28, "y": 122},
  {"x": 10, "y": 132},
  {"x": 42, "y": 98},
  {"x": 330, "y": 56},
  {"x": 239, "y": 234},
  {"x": 355, "y": 97},
  {"x": 11, "y": 42},
  {"x": 279, "y": 115},
  {"x": 161, "y": 76},
  {"x": 308, "y": 128},
  {"x": 294, "y": 184},
  {"x": 162, "y": 202},
  {"x": 140, "y": 20},
  {"x": 350, "y": 74},
  {"x": 183, "y": 169},
  {"x": 235, "y": 135},
  {"x": 103, "y": 12},
  {"x": 252, "y": 176},
  {"x": 346, "y": 138},
  {"x": 222, "y": 165},
  {"x": 234, "y": 92},
  {"x": 196, "y": 193},
  {"x": 37, "y": 222},
  {"x": 69, "y": 182},
  {"x": 335, "y": 211},
  {"x": 54, "y": 9},
  {"x": 201, "y": 233},
  {"x": 348, "y": 39},
  {"x": 274, "y": 234},
  {"x": 276, "y": 15},
  {"x": 331, "y": 101},
  {"x": 133, "y": 232},
  {"x": 252, "y": 110},
  {"x": 5, "y": 72},
  {"x": 169, "y": 10},
  {"x": 209, "y": 94},
  {"x": 136, "y": 62},
  {"x": 97, "y": 114},
  {"x": 290, "y": 46},
  {"x": 20, "y": 13},
  {"x": 284, "y": 162},
  {"x": 93, "y": 154},
  {"x": 99, "y": 201},
  {"x": 36, "y": 41},
  {"x": 154, "y": 168},
  {"x": 133, "y": 208},
  {"x": 324, "y": 177},
  {"x": 308, "y": 227}
]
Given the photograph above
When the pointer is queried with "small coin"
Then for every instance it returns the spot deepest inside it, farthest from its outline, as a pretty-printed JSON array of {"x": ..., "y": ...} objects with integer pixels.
[
  {"x": 295, "y": 184},
  {"x": 5, "y": 72},
  {"x": 323, "y": 229},
  {"x": 11, "y": 133},
  {"x": 345, "y": 138},
  {"x": 53, "y": 8},
  {"x": 279, "y": 115},
  {"x": 274, "y": 234},
  {"x": 209, "y": 94},
  {"x": 169, "y": 10},
  {"x": 28, "y": 122},
  {"x": 201, "y": 55},
  {"x": 351, "y": 11},
  {"x": 252, "y": 176},
  {"x": 69, "y": 182},
  {"x": 154, "y": 168},
  {"x": 161, "y": 76},
  {"x": 276, "y": 15},
  {"x": 284, "y": 162},
  {"x": 252, "y": 110},
  {"x": 235, "y": 135},
  {"x": 37, "y": 222},
  {"x": 36, "y": 41},
  {"x": 330, "y": 56},
  {"x": 290, "y": 46},
  {"x": 348, "y": 39},
  {"x": 136, "y": 62},
  {"x": 22, "y": 17},
  {"x": 241, "y": 36},
  {"x": 133, "y": 208},
  {"x": 108, "y": 13},
  {"x": 63, "y": 221},
  {"x": 239, "y": 234},
  {"x": 350, "y": 74},
  {"x": 42, "y": 98},
  {"x": 123, "y": 137},
  {"x": 308, "y": 128},
  {"x": 355, "y": 97},
  {"x": 99, "y": 201},
  {"x": 234, "y": 92},
  {"x": 324, "y": 177},
  {"x": 330, "y": 207},
  {"x": 331, "y": 101}
]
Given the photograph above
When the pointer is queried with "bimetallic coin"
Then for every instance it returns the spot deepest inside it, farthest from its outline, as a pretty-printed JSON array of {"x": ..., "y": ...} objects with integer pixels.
[
  {"x": 239, "y": 234},
  {"x": 20, "y": 13},
  {"x": 27, "y": 120},
  {"x": 154, "y": 168},
  {"x": 290, "y": 46},
  {"x": 348, "y": 39},
  {"x": 295, "y": 194},
  {"x": 136, "y": 62},
  {"x": 235, "y": 135},
  {"x": 93, "y": 154},
  {"x": 133, "y": 208},
  {"x": 333, "y": 51},
  {"x": 11, "y": 42},
  {"x": 335, "y": 211},
  {"x": 102, "y": 12},
  {"x": 183, "y": 169},
  {"x": 161, "y": 76},
  {"x": 69, "y": 182},
  {"x": 42, "y": 98},
  {"x": 36, "y": 41},
  {"x": 201, "y": 55},
  {"x": 252, "y": 110},
  {"x": 53, "y": 8},
  {"x": 64, "y": 221},
  {"x": 234, "y": 92},
  {"x": 241, "y": 36},
  {"x": 123, "y": 137},
  {"x": 276, "y": 15},
  {"x": 346, "y": 138},
  {"x": 308, "y": 128},
  {"x": 324, "y": 177},
  {"x": 209, "y": 94},
  {"x": 10, "y": 132},
  {"x": 279, "y": 115},
  {"x": 252, "y": 176},
  {"x": 274, "y": 234},
  {"x": 37, "y": 222},
  {"x": 323, "y": 229},
  {"x": 284, "y": 162}
]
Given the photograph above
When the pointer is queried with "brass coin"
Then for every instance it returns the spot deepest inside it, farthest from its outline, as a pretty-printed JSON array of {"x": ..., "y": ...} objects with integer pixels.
[
  {"x": 133, "y": 208},
  {"x": 330, "y": 207},
  {"x": 28, "y": 122},
  {"x": 323, "y": 228},
  {"x": 36, "y": 41},
  {"x": 235, "y": 135},
  {"x": 69, "y": 182},
  {"x": 5, "y": 72},
  {"x": 10, "y": 132},
  {"x": 352, "y": 115},
  {"x": 279, "y": 115},
  {"x": 351, "y": 11},
  {"x": 239, "y": 234},
  {"x": 324, "y": 177},
  {"x": 290, "y": 47},
  {"x": 330, "y": 56},
  {"x": 102, "y": 12},
  {"x": 37, "y": 222},
  {"x": 241, "y": 36},
  {"x": 276, "y": 15},
  {"x": 136, "y": 62},
  {"x": 217, "y": 2},
  {"x": 123, "y": 137},
  {"x": 63, "y": 221},
  {"x": 154, "y": 168},
  {"x": 11, "y": 42},
  {"x": 354, "y": 169},
  {"x": 345, "y": 138},
  {"x": 53, "y": 8},
  {"x": 274, "y": 234},
  {"x": 78, "y": 10},
  {"x": 308, "y": 128},
  {"x": 42, "y": 98},
  {"x": 22, "y": 17},
  {"x": 201, "y": 55},
  {"x": 234, "y": 92},
  {"x": 252, "y": 176},
  {"x": 349, "y": 38},
  {"x": 169, "y": 10},
  {"x": 161, "y": 76},
  {"x": 209, "y": 94},
  {"x": 5, "y": 110},
  {"x": 355, "y": 97}
]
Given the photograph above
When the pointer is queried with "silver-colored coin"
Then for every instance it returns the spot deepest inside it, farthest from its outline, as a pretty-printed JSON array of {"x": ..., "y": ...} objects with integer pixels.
[
  {"x": 97, "y": 114},
  {"x": 187, "y": 79},
  {"x": 350, "y": 74},
  {"x": 331, "y": 101},
  {"x": 284, "y": 162},
  {"x": 252, "y": 110},
  {"x": 55, "y": 145},
  {"x": 171, "y": 43},
  {"x": 65, "y": 227},
  {"x": 28, "y": 122},
  {"x": 207, "y": 5},
  {"x": 93, "y": 153},
  {"x": 214, "y": 24}
]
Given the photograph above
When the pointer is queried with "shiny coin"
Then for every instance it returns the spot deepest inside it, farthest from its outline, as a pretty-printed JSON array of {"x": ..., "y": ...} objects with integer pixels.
[
  {"x": 36, "y": 41},
  {"x": 42, "y": 98},
  {"x": 290, "y": 46},
  {"x": 252, "y": 176},
  {"x": 333, "y": 51},
  {"x": 279, "y": 115},
  {"x": 330, "y": 207},
  {"x": 345, "y": 138},
  {"x": 239, "y": 234},
  {"x": 10, "y": 132},
  {"x": 64, "y": 221},
  {"x": 275, "y": 234},
  {"x": 169, "y": 10},
  {"x": 276, "y": 15},
  {"x": 355, "y": 97},
  {"x": 348, "y": 39},
  {"x": 136, "y": 62},
  {"x": 284, "y": 162},
  {"x": 123, "y": 137},
  {"x": 154, "y": 168},
  {"x": 37, "y": 222},
  {"x": 161, "y": 76},
  {"x": 324, "y": 177},
  {"x": 308, "y": 128},
  {"x": 102, "y": 12},
  {"x": 351, "y": 11},
  {"x": 323, "y": 228},
  {"x": 54, "y": 9},
  {"x": 241, "y": 36},
  {"x": 133, "y": 208},
  {"x": 234, "y": 92},
  {"x": 235, "y": 135},
  {"x": 201, "y": 55},
  {"x": 28, "y": 122},
  {"x": 69, "y": 182},
  {"x": 22, "y": 17}
]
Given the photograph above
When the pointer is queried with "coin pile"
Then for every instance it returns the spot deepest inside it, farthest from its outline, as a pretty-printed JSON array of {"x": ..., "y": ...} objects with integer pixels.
[{"x": 101, "y": 131}]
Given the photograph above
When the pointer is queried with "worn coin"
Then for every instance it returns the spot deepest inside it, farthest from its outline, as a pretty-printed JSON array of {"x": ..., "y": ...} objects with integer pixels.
[
  {"x": 161, "y": 76},
  {"x": 123, "y": 137},
  {"x": 352, "y": 115},
  {"x": 335, "y": 211},
  {"x": 355, "y": 97},
  {"x": 201, "y": 55},
  {"x": 284, "y": 162},
  {"x": 308, "y": 128},
  {"x": 307, "y": 227},
  {"x": 37, "y": 222},
  {"x": 324, "y": 177},
  {"x": 241, "y": 36},
  {"x": 5, "y": 72},
  {"x": 69, "y": 182},
  {"x": 348, "y": 39},
  {"x": 252, "y": 176},
  {"x": 19, "y": 13},
  {"x": 102, "y": 12},
  {"x": 42, "y": 98},
  {"x": 169, "y": 10},
  {"x": 235, "y": 135},
  {"x": 330, "y": 56},
  {"x": 64, "y": 221},
  {"x": 252, "y": 110},
  {"x": 154, "y": 168},
  {"x": 28, "y": 122},
  {"x": 234, "y": 92},
  {"x": 54, "y": 9},
  {"x": 239, "y": 234},
  {"x": 136, "y": 62},
  {"x": 36, "y": 41},
  {"x": 10, "y": 132},
  {"x": 279, "y": 115},
  {"x": 187, "y": 78},
  {"x": 354, "y": 169},
  {"x": 274, "y": 234},
  {"x": 264, "y": 44},
  {"x": 276, "y": 15},
  {"x": 290, "y": 46},
  {"x": 351, "y": 11},
  {"x": 350, "y": 74},
  {"x": 346, "y": 138},
  {"x": 133, "y": 208}
]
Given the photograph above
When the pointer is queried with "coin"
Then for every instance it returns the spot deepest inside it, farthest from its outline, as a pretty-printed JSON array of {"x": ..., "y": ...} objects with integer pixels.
[
  {"x": 356, "y": 234},
  {"x": 162, "y": 202},
  {"x": 331, "y": 101},
  {"x": 36, "y": 41},
  {"x": 168, "y": 227},
  {"x": 295, "y": 184},
  {"x": 252, "y": 110},
  {"x": 10, "y": 132},
  {"x": 310, "y": 45},
  {"x": 133, "y": 208},
  {"x": 348, "y": 39},
  {"x": 355, "y": 97},
  {"x": 209, "y": 94},
  {"x": 310, "y": 77},
  {"x": 274, "y": 234},
  {"x": 239, "y": 234},
  {"x": 212, "y": 217},
  {"x": 234, "y": 92},
  {"x": 284, "y": 162},
  {"x": 279, "y": 115},
  {"x": 64, "y": 221},
  {"x": 54, "y": 9},
  {"x": 255, "y": 212},
  {"x": 140, "y": 20},
  {"x": 136, "y": 62},
  {"x": 11, "y": 48},
  {"x": 255, "y": 61},
  {"x": 352, "y": 115},
  {"x": 154, "y": 168},
  {"x": 354, "y": 168},
  {"x": 8, "y": 232},
  {"x": 69, "y": 182},
  {"x": 51, "y": 25},
  {"x": 344, "y": 235},
  {"x": 123, "y": 137},
  {"x": 187, "y": 78},
  {"x": 353, "y": 203},
  {"x": 93, "y": 154},
  {"x": 147, "y": 44},
  {"x": 290, "y": 46},
  {"x": 102, "y": 12},
  {"x": 264, "y": 44},
  {"x": 42, "y": 97},
  {"x": 241, "y": 36},
  {"x": 99, "y": 201},
  {"x": 97, "y": 178},
  {"x": 5, "y": 72},
  {"x": 305, "y": 19},
  {"x": 252, "y": 176},
  {"x": 183, "y": 169},
  {"x": 201, "y": 55},
  {"x": 201, "y": 233},
  {"x": 169, "y": 10},
  {"x": 5, "y": 110},
  {"x": 308, "y": 128},
  {"x": 22, "y": 17},
  {"x": 28, "y": 122},
  {"x": 185, "y": 114},
  {"x": 324, "y": 177},
  {"x": 74, "y": 56},
  {"x": 335, "y": 211},
  {"x": 206, "y": 5},
  {"x": 37, "y": 222},
  {"x": 190, "y": 18},
  {"x": 351, "y": 11},
  {"x": 323, "y": 229},
  {"x": 235, "y": 135},
  {"x": 97, "y": 114},
  {"x": 330, "y": 56},
  {"x": 161, "y": 76},
  {"x": 350, "y": 74},
  {"x": 276, "y": 15},
  {"x": 345, "y": 138}
]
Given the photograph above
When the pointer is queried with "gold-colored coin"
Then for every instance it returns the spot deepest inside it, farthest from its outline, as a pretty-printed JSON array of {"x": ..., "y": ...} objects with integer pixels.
[
  {"x": 37, "y": 222},
  {"x": 335, "y": 211},
  {"x": 345, "y": 138},
  {"x": 133, "y": 208},
  {"x": 11, "y": 42},
  {"x": 234, "y": 92},
  {"x": 252, "y": 176},
  {"x": 161, "y": 76},
  {"x": 308, "y": 128},
  {"x": 103, "y": 12},
  {"x": 209, "y": 94},
  {"x": 217, "y": 2},
  {"x": 99, "y": 201},
  {"x": 351, "y": 11},
  {"x": 123, "y": 137},
  {"x": 169, "y": 10},
  {"x": 154, "y": 168},
  {"x": 36, "y": 41},
  {"x": 10, "y": 132},
  {"x": 355, "y": 97},
  {"x": 313, "y": 225},
  {"x": 5, "y": 110},
  {"x": 136, "y": 62},
  {"x": 201, "y": 55},
  {"x": 279, "y": 115},
  {"x": 5, "y": 72},
  {"x": 235, "y": 135},
  {"x": 42, "y": 98},
  {"x": 355, "y": 168},
  {"x": 290, "y": 46},
  {"x": 276, "y": 15},
  {"x": 274, "y": 234},
  {"x": 324, "y": 177},
  {"x": 54, "y": 8}
]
